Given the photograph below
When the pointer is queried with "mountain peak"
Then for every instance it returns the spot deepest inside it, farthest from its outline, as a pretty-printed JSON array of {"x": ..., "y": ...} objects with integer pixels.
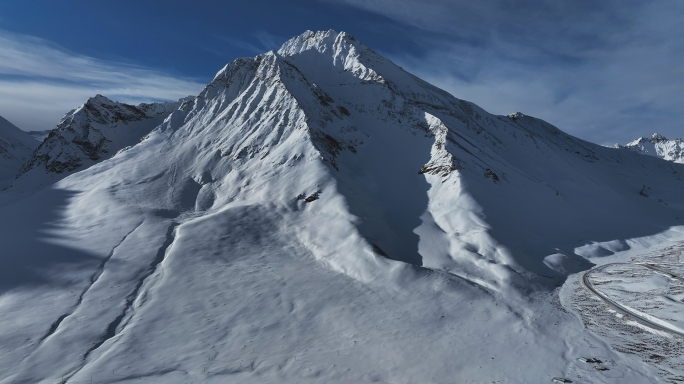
[
  {"x": 91, "y": 133},
  {"x": 321, "y": 41},
  {"x": 99, "y": 99},
  {"x": 659, "y": 146},
  {"x": 516, "y": 115}
]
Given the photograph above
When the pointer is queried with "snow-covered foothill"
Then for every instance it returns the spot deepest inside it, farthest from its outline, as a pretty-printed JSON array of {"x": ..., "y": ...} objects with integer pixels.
[{"x": 319, "y": 215}]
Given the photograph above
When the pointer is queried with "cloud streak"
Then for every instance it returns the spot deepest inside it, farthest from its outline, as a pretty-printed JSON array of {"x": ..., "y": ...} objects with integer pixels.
[
  {"x": 264, "y": 42},
  {"x": 604, "y": 71},
  {"x": 40, "y": 82}
]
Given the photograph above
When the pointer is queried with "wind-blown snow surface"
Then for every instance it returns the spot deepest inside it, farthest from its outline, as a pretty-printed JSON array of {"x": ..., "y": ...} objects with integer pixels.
[
  {"x": 319, "y": 215},
  {"x": 16, "y": 147}
]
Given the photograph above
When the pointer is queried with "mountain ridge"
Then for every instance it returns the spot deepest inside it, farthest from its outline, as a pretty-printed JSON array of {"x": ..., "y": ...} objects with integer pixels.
[{"x": 89, "y": 134}]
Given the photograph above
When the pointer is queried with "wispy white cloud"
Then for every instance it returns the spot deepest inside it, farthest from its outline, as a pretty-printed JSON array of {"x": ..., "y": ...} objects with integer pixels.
[
  {"x": 264, "y": 42},
  {"x": 605, "y": 71},
  {"x": 269, "y": 41},
  {"x": 40, "y": 81}
]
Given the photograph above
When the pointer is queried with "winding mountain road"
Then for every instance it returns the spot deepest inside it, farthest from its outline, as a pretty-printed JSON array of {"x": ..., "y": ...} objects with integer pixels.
[
  {"x": 662, "y": 270},
  {"x": 624, "y": 310}
]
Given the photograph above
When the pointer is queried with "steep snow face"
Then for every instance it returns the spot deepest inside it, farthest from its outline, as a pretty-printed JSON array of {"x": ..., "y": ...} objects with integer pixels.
[
  {"x": 659, "y": 146},
  {"x": 89, "y": 134},
  {"x": 16, "y": 147}
]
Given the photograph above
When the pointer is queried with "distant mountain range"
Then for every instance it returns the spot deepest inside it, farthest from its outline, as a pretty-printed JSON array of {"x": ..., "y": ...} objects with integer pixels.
[{"x": 659, "y": 146}]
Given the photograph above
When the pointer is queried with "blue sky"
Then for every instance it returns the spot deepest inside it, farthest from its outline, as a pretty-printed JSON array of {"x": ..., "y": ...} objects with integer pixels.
[{"x": 606, "y": 71}]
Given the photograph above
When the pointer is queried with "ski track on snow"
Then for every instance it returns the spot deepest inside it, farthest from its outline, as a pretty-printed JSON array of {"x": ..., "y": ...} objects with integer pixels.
[
  {"x": 93, "y": 279},
  {"x": 130, "y": 299}
]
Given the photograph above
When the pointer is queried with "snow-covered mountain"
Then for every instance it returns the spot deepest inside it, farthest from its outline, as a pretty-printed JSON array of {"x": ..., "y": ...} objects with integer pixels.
[
  {"x": 89, "y": 134},
  {"x": 659, "y": 146},
  {"x": 319, "y": 215},
  {"x": 16, "y": 147}
]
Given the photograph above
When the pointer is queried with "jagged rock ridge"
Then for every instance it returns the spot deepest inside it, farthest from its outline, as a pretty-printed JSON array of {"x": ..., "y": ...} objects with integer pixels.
[
  {"x": 85, "y": 136},
  {"x": 95, "y": 131}
]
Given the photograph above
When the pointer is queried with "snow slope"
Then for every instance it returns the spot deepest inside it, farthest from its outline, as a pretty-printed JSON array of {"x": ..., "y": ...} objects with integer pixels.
[
  {"x": 89, "y": 134},
  {"x": 659, "y": 146},
  {"x": 16, "y": 147},
  {"x": 319, "y": 215}
]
